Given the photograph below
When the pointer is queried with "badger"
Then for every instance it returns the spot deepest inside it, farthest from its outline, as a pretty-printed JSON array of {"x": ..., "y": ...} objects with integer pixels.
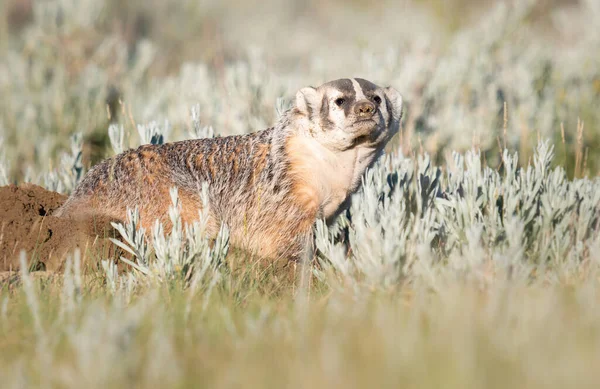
[{"x": 268, "y": 187}]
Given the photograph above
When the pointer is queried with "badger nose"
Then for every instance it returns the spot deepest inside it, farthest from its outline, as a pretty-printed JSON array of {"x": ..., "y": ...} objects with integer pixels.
[{"x": 364, "y": 109}]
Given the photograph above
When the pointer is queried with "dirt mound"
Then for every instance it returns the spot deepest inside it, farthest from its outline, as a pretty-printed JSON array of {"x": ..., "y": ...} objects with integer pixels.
[{"x": 26, "y": 223}]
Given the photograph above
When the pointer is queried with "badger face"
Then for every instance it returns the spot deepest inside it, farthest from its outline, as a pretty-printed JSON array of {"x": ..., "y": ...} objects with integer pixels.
[{"x": 349, "y": 113}]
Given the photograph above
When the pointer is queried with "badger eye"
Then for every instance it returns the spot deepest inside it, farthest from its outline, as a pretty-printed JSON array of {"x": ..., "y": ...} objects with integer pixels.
[
  {"x": 339, "y": 102},
  {"x": 377, "y": 99}
]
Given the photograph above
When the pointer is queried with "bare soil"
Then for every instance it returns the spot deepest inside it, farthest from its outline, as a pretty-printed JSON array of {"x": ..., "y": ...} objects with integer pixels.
[{"x": 26, "y": 223}]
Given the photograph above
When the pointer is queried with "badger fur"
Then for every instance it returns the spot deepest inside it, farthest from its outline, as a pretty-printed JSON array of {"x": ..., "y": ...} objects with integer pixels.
[{"x": 268, "y": 187}]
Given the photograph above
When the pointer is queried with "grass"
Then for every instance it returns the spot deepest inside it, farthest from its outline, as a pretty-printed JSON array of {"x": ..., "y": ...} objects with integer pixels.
[{"x": 506, "y": 334}]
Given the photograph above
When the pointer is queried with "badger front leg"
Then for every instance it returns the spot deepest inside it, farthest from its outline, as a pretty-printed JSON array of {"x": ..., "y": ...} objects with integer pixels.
[{"x": 291, "y": 241}]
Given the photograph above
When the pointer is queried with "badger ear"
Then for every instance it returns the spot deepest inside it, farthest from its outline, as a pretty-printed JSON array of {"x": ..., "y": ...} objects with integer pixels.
[
  {"x": 307, "y": 100},
  {"x": 395, "y": 100}
]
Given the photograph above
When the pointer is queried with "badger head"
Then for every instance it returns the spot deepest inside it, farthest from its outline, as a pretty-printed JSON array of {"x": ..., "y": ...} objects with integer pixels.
[{"x": 348, "y": 113}]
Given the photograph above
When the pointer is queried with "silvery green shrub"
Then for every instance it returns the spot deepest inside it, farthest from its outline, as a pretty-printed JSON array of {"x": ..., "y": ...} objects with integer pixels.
[
  {"x": 184, "y": 253},
  {"x": 464, "y": 216}
]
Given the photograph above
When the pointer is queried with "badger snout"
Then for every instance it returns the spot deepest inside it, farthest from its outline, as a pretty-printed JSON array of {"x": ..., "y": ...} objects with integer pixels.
[{"x": 364, "y": 109}]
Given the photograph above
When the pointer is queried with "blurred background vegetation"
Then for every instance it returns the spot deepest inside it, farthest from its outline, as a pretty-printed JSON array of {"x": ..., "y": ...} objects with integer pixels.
[{"x": 473, "y": 73}]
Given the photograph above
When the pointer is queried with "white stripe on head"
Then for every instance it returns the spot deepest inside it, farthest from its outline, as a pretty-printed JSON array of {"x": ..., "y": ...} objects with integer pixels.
[{"x": 358, "y": 90}]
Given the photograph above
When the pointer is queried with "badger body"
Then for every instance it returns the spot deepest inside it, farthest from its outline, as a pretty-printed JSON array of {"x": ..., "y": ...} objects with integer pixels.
[{"x": 268, "y": 187}]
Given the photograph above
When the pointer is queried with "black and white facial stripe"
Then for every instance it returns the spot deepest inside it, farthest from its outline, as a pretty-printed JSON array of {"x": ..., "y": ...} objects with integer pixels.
[
  {"x": 351, "y": 107},
  {"x": 348, "y": 92},
  {"x": 352, "y": 91},
  {"x": 352, "y": 96}
]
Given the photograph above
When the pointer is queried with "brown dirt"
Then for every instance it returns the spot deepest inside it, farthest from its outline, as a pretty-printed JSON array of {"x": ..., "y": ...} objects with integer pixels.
[{"x": 26, "y": 223}]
